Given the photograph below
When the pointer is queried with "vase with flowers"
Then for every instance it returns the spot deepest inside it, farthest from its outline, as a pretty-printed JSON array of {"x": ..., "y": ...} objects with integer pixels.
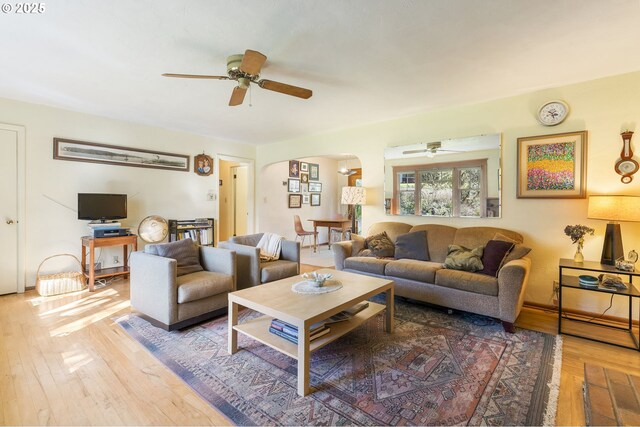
[{"x": 577, "y": 233}]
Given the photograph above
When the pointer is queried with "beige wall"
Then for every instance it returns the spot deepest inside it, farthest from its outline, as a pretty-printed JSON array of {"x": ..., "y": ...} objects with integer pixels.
[
  {"x": 604, "y": 107},
  {"x": 52, "y": 185},
  {"x": 273, "y": 202}
]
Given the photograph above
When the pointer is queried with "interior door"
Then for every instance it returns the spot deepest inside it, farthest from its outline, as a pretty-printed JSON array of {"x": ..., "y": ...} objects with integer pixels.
[
  {"x": 8, "y": 212},
  {"x": 240, "y": 200}
]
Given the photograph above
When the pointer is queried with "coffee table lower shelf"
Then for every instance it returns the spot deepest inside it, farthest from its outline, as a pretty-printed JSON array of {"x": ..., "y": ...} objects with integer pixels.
[{"x": 258, "y": 329}]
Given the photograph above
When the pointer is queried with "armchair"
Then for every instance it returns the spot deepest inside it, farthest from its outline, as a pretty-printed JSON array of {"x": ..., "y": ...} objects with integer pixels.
[
  {"x": 252, "y": 271},
  {"x": 171, "y": 301}
]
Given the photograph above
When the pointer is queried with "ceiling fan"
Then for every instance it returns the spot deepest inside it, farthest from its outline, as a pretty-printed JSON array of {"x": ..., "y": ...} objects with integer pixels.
[
  {"x": 245, "y": 69},
  {"x": 431, "y": 149}
]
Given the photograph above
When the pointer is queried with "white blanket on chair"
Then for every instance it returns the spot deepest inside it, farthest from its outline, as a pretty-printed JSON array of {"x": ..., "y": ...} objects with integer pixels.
[{"x": 269, "y": 246}]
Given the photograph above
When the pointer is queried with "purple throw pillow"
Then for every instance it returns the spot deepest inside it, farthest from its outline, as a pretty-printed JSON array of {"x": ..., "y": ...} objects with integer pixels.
[{"x": 494, "y": 255}]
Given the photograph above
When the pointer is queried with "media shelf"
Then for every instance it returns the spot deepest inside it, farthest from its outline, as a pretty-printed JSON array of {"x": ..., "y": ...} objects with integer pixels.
[{"x": 200, "y": 230}]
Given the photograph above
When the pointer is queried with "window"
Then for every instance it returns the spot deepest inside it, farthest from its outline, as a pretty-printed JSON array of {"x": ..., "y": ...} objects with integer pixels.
[{"x": 444, "y": 189}]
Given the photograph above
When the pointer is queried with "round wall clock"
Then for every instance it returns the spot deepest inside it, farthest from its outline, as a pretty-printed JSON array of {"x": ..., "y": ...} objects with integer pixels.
[
  {"x": 626, "y": 166},
  {"x": 553, "y": 113}
]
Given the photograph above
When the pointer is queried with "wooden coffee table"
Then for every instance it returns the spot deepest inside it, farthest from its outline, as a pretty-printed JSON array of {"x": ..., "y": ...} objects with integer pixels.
[{"x": 277, "y": 300}]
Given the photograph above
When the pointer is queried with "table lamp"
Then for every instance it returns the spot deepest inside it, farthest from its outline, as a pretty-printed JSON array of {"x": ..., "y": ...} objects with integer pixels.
[
  {"x": 353, "y": 196},
  {"x": 613, "y": 209}
]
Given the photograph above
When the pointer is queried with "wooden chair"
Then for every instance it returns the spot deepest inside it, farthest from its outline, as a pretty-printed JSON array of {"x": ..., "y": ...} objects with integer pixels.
[{"x": 301, "y": 232}]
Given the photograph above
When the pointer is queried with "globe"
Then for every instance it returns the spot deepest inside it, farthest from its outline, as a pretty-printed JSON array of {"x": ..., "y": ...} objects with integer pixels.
[{"x": 153, "y": 229}]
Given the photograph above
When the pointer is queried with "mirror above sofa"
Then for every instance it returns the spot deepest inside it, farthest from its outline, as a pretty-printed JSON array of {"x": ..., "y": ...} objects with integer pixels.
[{"x": 452, "y": 178}]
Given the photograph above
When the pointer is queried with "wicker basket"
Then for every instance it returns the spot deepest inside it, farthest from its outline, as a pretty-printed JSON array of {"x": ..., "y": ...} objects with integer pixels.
[{"x": 60, "y": 283}]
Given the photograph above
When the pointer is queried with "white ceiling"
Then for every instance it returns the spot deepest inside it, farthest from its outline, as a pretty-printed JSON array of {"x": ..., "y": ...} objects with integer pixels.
[{"x": 365, "y": 60}]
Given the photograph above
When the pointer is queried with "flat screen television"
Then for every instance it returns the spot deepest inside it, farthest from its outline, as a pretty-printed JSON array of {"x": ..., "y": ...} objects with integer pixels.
[{"x": 103, "y": 207}]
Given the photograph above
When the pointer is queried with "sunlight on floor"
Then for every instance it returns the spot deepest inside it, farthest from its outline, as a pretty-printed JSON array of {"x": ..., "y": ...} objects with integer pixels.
[
  {"x": 83, "y": 322},
  {"x": 75, "y": 360}
]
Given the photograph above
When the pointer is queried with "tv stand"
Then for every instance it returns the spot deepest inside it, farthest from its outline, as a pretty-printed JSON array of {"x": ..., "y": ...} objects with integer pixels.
[{"x": 91, "y": 243}]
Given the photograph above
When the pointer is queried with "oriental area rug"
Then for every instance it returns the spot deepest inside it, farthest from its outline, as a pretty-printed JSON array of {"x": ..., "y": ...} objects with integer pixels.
[{"x": 435, "y": 369}]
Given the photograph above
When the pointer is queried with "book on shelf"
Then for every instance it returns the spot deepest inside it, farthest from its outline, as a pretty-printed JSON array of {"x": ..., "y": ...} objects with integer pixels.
[{"x": 290, "y": 332}]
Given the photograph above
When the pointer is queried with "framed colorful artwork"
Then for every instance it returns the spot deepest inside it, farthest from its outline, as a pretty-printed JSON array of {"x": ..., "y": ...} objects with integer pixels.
[
  {"x": 203, "y": 164},
  {"x": 304, "y": 178},
  {"x": 314, "y": 172},
  {"x": 294, "y": 169},
  {"x": 295, "y": 201},
  {"x": 553, "y": 166}
]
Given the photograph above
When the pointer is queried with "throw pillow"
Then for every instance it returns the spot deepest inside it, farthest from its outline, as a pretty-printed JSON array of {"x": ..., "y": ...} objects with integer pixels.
[
  {"x": 412, "y": 246},
  {"x": 494, "y": 255},
  {"x": 380, "y": 245},
  {"x": 461, "y": 258},
  {"x": 517, "y": 252},
  {"x": 366, "y": 252},
  {"x": 185, "y": 252}
]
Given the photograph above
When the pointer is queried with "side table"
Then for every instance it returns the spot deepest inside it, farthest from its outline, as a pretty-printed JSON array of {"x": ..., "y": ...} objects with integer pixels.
[
  {"x": 566, "y": 281},
  {"x": 91, "y": 243}
]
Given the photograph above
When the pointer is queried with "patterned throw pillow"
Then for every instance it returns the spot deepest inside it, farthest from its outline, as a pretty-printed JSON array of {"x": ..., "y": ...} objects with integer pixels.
[
  {"x": 461, "y": 258},
  {"x": 380, "y": 245}
]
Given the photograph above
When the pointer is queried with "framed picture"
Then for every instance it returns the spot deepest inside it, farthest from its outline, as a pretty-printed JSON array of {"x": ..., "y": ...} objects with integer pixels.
[
  {"x": 295, "y": 201},
  {"x": 203, "y": 164},
  {"x": 294, "y": 185},
  {"x": 553, "y": 166},
  {"x": 315, "y": 187},
  {"x": 314, "y": 172},
  {"x": 304, "y": 178},
  {"x": 315, "y": 200},
  {"x": 305, "y": 199},
  {"x": 304, "y": 188},
  {"x": 304, "y": 167},
  {"x": 80, "y": 151},
  {"x": 294, "y": 169}
]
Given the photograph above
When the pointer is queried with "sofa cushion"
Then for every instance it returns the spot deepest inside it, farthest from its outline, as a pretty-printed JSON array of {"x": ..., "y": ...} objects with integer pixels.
[
  {"x": 366, "y": 264},
  {"x": 276, "y": 270},
  {"x": 461, "y": 258},
  {"x": 471, "y": 237},
  {"x": 439, "y": 238},
  {"x": 392, "y": 228},
  {"x": 203, "y": 284},
  {"x": 494, "y": 255},
  {"x": 420, "y": 271},
  {"x": 412, "y": 246},
  {"x": 466, "y": 281},
  {"x": 380, "y": 245},
  {"x": 518, "y": 251},
  {"x": 185, "y": 252}
]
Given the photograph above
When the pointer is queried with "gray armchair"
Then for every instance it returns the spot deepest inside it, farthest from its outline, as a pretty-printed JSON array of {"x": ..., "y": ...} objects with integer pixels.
[
  {"x": 252, "y": 271},
  {"x": 173, "y": 301}
]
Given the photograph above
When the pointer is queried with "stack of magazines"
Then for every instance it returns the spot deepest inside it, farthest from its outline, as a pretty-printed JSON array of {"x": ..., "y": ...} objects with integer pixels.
[{"x": 290, "y": 332}]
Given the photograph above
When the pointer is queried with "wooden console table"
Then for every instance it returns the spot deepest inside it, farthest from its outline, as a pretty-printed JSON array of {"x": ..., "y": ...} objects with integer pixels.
[
  {"x": 92, "y": 243},
  {"x": 335, "y": 222}
]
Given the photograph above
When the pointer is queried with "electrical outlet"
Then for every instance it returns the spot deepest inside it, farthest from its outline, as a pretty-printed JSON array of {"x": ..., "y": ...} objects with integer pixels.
[{"x": 116, "y": 259}]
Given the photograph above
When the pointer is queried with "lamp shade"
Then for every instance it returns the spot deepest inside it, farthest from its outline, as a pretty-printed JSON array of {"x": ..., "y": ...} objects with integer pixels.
[
  {"x": 614, "y": 208},
  {"x": 353, "y": 196}
]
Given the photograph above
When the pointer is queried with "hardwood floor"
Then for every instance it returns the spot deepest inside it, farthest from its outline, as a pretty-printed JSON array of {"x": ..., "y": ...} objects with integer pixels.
[{"x": 63, "y": 360}]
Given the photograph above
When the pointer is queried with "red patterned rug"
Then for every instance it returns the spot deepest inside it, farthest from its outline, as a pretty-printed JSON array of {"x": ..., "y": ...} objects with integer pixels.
[{"x": 436, "y": 369}]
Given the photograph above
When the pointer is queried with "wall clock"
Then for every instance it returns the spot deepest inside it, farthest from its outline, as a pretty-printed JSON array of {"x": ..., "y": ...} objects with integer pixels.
[
  {"x": 626, "y": 166},
  {"x": 553, "y": 113}
]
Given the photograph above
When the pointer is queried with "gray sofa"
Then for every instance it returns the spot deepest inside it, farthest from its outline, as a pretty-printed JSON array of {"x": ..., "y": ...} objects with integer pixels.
[
  {"x": 252, "y": 271},
  {"x": 500, "y": 297}
]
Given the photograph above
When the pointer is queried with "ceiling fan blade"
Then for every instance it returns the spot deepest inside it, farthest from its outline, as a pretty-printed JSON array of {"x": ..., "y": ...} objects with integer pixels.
[
  {"x": 285, "y": 88},
  {"x": 195, "y": 76},
  {"x": 237, "y": 96},
  {"x": 252, "y": 62}
]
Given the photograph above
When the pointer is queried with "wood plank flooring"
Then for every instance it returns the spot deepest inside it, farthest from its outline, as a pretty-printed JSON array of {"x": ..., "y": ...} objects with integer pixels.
[{"x": 63, "y": 361}]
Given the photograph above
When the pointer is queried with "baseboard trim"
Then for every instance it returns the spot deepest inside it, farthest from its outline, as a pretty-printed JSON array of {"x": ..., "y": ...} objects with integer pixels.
[{"x": 581, "y": 313}]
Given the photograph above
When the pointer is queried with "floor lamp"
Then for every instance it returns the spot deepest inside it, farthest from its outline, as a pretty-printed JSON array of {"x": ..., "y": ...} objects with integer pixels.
[
  {"x": 352, "y": 196},
  {"x": 613, "y": 209}
]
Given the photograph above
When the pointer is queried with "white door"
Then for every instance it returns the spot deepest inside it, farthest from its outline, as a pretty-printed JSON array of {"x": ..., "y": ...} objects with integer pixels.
[
  {"x": 8, "y": 212},
  {"x": 240, "y": 200}
]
